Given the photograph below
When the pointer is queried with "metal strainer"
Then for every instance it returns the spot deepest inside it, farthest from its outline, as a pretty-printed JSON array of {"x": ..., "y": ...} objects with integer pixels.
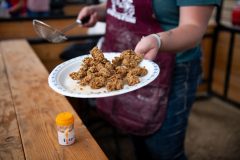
[{"x": 52, "y": 34}]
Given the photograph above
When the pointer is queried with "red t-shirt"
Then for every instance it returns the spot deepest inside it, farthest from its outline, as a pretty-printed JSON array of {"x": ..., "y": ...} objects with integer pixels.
[{"x": 15, "y": 2}]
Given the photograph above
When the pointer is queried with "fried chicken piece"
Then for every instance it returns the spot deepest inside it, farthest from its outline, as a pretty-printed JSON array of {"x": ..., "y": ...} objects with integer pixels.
[
  {"x": 79, "y": 74},
  {"x": 75, "y": 75},
  {"x": 132, "y": 79},
  {"x": 138, "y": 58},
  {"x": 130, "y": 63},
  {"x": 97, "y": 82},
  {"x": 82, "y": 72},
  {"x": 122, "y": 71},
  {"x": 130, "y": 58},
  {"x": 127, "y": 53},
  {"x": 139, "y": 71},
  {"x": 88, "y": 61},
  {"x": 117, "y": 61},
  {"x": 105, "y": 72},
  {"x": 92, "y": 69},
  {"x": 84, "y": 67},
  {"x": 104, "y": 61},
  {"x": 131, "y": 53},
  {"x": 99, "y": 66},
  {"x": 97, "y": 54},
  {"x": 109, "y": 66},
  {"x": 114, "y": 83},
  {"x": 86, "y": 80},
  {"x": 113, "y": 77}
]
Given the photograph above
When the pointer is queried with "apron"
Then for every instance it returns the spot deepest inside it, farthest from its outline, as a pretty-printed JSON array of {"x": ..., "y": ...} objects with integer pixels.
[{"x": 140, "y": 112}]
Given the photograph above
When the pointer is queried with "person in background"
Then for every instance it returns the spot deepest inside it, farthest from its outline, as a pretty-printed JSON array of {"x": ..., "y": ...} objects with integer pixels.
[
  {"x": 38, "y": 8},
  {"x": 4, "y": 9},
  {"x": 17, "y": 8},
  {"x": 165, "y": 31}
]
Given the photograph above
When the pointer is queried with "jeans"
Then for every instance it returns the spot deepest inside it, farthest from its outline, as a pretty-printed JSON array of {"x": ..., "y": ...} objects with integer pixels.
[{"x": 168, "y": 142}]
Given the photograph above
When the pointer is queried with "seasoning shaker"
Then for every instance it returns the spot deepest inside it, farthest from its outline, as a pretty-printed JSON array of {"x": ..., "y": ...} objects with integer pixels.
[{"x": 65, "y": 128}]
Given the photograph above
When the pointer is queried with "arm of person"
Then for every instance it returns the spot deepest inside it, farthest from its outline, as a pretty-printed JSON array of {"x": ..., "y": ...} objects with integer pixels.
[
  {"x": 192, "y": 26},
  {"x": 95, "y": 12},
  {"x": 16, "y": 7}
]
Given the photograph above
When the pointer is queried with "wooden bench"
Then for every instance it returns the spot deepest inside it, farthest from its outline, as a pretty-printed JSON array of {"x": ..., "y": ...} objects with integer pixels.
[{"x": 28, "y": 108}]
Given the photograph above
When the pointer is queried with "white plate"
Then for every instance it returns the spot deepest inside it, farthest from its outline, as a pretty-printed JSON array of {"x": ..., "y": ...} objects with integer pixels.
[{"x": 60, "y": 81}]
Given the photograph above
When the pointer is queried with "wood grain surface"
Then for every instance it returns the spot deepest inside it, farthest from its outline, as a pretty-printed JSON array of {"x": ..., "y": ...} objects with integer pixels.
[
  {"x": 36, "y": 107},
  {"x": 24, "y": 29},
  {"x": 10, "y": 141}
]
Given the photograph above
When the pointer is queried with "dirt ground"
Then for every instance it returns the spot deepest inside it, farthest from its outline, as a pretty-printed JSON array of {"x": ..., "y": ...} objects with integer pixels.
[{"x": 214, "y": 131}]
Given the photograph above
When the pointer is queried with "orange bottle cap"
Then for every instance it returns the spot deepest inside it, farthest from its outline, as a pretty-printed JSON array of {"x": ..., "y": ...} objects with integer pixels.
[{"x": 64, "y": 119}]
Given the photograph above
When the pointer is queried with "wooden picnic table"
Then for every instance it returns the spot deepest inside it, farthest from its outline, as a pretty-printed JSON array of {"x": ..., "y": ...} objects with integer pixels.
[{"x": 28, "y": 108}]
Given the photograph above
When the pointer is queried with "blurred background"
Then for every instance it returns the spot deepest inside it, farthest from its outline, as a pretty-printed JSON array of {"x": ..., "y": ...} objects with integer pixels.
[{"x": 214, "y": 130}]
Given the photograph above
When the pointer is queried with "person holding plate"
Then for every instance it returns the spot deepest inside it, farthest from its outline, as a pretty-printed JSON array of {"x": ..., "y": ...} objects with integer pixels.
[{"x": 169, "y": 33}]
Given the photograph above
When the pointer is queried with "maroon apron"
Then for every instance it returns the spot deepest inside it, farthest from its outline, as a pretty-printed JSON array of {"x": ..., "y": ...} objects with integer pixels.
[{"x": 140, "y": 112}]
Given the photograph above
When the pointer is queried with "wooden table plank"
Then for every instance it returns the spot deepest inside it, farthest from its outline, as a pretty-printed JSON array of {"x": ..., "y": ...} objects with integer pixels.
[
  {"x": 10, "y": 141},
  {"x": 24, "y": 29},
  {"x": 37, "y": 106}
]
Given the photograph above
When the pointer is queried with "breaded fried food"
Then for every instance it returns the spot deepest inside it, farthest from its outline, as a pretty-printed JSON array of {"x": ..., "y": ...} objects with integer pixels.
[
  {"x": 130, "y": 58},
  {"x": 98, "y": 72},
  {"x": 132, "y": 79},
  {"x": 97, "y": 54},
  {"x": 122, "y": 71},
  {"x": 117, "y": 61},
  {"x": 110, "y": 67},
  {"x": 88, "y": 61},
  {"x": 97, "y": 82},
  {"x": 139, "y": 71},
  {"x": 75, "y": 75},
  {"x": 104, "y": 72},
  {"x": 114, "y": 83},
  {"x": 86, "y": 80}
]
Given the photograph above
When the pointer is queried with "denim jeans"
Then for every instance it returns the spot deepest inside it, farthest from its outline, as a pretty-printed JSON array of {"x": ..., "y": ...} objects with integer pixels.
[{"x": 168, "y": 142}]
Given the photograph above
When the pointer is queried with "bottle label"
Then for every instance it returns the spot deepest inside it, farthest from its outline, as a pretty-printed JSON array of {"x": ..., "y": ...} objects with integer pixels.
[{"x": 67, "y": 137}]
